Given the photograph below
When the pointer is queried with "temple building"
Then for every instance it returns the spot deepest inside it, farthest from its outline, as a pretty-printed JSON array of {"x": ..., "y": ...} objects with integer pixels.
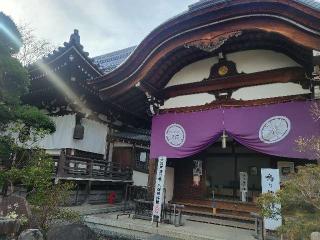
[
  {"x": 225, "y": 88},
  {"x": 229, "y": 86},
  {"x": 91, "y": 145}
]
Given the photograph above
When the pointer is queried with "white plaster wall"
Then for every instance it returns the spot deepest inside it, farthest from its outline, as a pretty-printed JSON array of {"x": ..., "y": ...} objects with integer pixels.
[
  {"x": 248, "y": 62},
  {"x": 260, "y": 60},
  {"x": 194, "y": 72},
  {"x": 94, "y": 138},
  {"x": 189, "y": 100},
  {"x": 169, "y": 183},
  {"x": 140, "y": 178},
  {"x": 269, "y": 91}
]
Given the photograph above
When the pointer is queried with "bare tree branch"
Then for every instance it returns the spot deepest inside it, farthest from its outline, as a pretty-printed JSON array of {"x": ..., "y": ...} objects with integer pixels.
[{"x": 33, "y": 48}]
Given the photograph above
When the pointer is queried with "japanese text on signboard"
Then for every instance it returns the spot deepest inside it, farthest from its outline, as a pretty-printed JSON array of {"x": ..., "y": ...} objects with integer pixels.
[{"x": 158, "y": 193}]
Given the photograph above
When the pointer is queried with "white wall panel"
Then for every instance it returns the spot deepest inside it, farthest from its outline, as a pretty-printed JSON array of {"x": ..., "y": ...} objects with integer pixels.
[{"x": 140, "y": 178}]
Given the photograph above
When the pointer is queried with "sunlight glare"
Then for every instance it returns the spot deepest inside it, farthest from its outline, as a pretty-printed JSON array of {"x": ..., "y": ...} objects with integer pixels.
[{"x": 62, "y": 87}]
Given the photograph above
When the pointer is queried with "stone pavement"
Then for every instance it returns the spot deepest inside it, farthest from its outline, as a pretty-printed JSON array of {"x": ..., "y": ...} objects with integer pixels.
[
  {"x": 141, "y": 229},
  {"x": 90, "y": 209},
  {"x": 159, "y": 237}
]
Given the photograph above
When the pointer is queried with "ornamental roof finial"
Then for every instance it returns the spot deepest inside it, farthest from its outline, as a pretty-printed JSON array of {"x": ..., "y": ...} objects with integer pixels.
[{"x": 75, "y": 37}]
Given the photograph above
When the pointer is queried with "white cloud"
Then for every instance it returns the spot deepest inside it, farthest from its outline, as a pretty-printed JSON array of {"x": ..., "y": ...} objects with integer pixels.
[{"x": 104, "y": 25}]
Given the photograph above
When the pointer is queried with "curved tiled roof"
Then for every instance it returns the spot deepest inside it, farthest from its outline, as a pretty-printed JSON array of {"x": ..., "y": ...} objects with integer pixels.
[
  {"x": 303, "y": 15},
  {"x": 111, "y": 61},
  {"x": 206, "y": 3},
  {"x": 311, "y": 3}
]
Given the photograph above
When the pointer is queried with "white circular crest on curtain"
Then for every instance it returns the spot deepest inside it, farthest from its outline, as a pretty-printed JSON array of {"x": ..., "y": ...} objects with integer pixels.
[
  {"x": 274, "y": 129},
  {"x": 175, "y": 135}
]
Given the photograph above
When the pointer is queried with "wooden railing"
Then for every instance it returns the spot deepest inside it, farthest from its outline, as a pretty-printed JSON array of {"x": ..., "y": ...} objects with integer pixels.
[{"x": 79, "y": 167}]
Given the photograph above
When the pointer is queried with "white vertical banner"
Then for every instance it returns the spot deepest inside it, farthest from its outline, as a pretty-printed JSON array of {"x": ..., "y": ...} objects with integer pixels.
[
  {"x": 243, "y": 185},
  {"x": 270, "y": 181},
  {"x": 158, "y": 190}
]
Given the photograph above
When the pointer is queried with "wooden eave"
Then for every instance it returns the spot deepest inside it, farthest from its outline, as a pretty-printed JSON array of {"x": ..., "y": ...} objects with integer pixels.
[
  {"x": 296, "y": 22},
  {"x": 237, "y": 103},
  {"x": 68, "y": 60},
  {"x": 283, "y": 75},
  {"x": 61, "y": 66}
]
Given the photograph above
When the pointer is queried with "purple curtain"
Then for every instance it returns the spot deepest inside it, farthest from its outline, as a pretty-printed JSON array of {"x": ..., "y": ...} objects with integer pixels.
[{"x": 271, "y": 129}]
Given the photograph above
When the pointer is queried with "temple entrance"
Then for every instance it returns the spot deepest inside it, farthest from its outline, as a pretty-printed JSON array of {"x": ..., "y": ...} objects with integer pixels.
[
  {"x": 223, "y": 168},
  {"x": 208, "y": 164},
  {"x": 220, "y": 170}
]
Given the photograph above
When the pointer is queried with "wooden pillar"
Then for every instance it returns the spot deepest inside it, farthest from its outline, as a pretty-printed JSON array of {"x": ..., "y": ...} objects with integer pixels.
[
  {"x": 110, "y": 144},
  {"x": 90, "y": 167},
  {"x": 235, "y": 171},
  {"x": 110, "y": 151},
  {"x": 77, "y": 194},
  {"x": 203, "y": 181},
  {"x": 88, "y": 189},
  {"x": 152, "y": 177},
  {"x": 61, "y": 164},
  {"x": 133, "y": 158},
  {"x": 109, "y": 155}
]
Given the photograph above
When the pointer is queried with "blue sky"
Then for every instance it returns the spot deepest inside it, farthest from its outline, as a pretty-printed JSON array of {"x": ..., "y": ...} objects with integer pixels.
[{"x": 104, "y": 25}]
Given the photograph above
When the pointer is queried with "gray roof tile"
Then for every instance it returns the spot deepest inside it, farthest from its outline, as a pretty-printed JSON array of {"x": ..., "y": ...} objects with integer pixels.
[
  {"x": 110, "y": 61},
  {"x": 207, "y": 3}
]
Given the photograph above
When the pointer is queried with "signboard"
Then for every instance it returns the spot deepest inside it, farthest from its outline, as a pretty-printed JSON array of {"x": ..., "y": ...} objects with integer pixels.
[
  {"x": 243, "y": 185},
  {"x": 197, "y": 172},
  {"x": 285, "y": 168},
  {"x": 158, "y": 190},
  {"x": 197, "y": 167},
  {"x": 143, "y": 156},
  {"x": 270, "y": 181}
]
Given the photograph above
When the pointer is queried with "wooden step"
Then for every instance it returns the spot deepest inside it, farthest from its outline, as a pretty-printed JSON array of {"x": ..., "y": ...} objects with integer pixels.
[
  {"x": 227, "y": 205},
  {"x": 219, "y": 215},
  {"x": 224, "y": 209}
]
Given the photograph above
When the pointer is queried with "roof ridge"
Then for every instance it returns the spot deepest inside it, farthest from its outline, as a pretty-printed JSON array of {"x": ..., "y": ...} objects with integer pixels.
[
  {"x": 74, "y": 41},
  {"x": 116, "y": 51}
]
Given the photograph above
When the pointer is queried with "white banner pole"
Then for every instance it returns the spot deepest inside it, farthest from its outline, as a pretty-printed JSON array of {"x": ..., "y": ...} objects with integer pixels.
[
  {"x": 158, "y": 190},
  {"x": 270, "y": 181}
]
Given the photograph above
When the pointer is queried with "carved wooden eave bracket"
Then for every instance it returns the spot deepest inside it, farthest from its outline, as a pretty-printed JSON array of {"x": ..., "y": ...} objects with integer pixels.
[{"x": 210, "y": 45}]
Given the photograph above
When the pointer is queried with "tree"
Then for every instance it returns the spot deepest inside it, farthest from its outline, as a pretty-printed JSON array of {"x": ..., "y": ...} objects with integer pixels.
[
  {"x": 32, "y": 48},
  {"x": 300, "y": 195},
  {"x": 20, "y": 124},
  {"x": 45, "y": 196},
  {"x": 14, "y": 83}
]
